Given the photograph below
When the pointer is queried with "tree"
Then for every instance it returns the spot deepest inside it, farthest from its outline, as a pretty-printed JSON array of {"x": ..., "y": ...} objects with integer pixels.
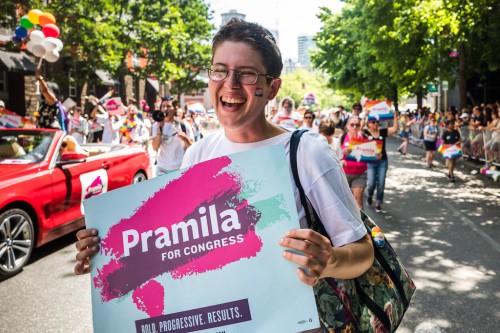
[
  {"x": 102, "y": 34},
  {"x": 301, "y": 82},
  {"x": 382, "y": 48}
]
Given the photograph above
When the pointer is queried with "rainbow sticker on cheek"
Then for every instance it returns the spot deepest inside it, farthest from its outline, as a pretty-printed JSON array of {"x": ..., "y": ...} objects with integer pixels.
[{"x": 259, "y": 92}]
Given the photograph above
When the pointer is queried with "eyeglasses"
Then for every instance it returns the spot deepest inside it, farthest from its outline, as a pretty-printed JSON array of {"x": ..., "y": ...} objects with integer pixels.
[
  {"x": 246, "y": 76},
  {"x": 308, "y": 117},
  {"x": 373, "y": 122},
  {"x": 354, "y": 125}
]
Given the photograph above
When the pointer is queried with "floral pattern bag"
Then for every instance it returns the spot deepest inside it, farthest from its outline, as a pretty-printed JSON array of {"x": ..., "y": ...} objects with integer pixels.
[{"x": 374, "y": 302}]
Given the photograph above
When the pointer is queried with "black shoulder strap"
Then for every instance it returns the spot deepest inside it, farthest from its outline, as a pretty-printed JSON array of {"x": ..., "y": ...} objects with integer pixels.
[
  {"x": 342, "y": 138},
  {"x": 312, "y": 217}
]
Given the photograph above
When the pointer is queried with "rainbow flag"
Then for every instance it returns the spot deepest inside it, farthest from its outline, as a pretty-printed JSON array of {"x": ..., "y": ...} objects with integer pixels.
[
  {"x": 106, "y": 96},
  {"x": 450, "y": 151},
  {"x": 364, "y": 150},
  {"x": 379, "y": 110}
]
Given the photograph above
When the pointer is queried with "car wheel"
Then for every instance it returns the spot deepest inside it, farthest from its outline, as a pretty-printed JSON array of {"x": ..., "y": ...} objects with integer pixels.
[
  {"x": 17, "y": 239},
  {"x": 139, "y": 177}
]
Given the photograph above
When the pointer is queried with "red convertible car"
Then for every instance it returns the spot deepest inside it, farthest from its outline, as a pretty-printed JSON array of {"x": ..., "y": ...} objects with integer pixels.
[{"x": 42, "y": 187}]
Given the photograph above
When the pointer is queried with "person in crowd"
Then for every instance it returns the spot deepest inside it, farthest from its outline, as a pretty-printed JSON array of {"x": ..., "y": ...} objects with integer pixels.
[
  {"x": 2, "y": 106},
  {"x": 107, "y": 121},
  {"x": 240, "y": 101},
  {"x": 431, "y": 134},
  {"x": 71, "y": 145},
  {"x": 78, "y": 126},
  {"x": 343, "y": 117},
  {"x": 493, "y": 132},
  {"x": 354, "y": 171},
  {"x": 169, "y": 139},
  {"x": 357, "y": 108},
  {"x": 287, "y": 117},
  {"x": 451, "y": 136},
  {"x": 464, "y": 118},
  {"x": 336, "y": 115},
  {"x": 185, "y": 125},
  {"x": 327, "y": 129},
  {"x": 476, "y": 126},
  {"x": 406, "y": 120},
  {"x": 131, "y": 129},
  {"x": 274, "y": 111},
  {"x": 308, "y": 122},
  {"x": 377, "y": 171},
  {"x": 50, "y": 115},
  {"x": 195, "y": 121}
]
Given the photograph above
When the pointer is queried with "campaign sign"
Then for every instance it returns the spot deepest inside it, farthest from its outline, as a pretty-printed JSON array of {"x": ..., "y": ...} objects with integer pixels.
[
  {"x": 198, "y": 251},
  {"x": 379, "y": 110},
  {"x": 450, "y": 151},
  {"x": 364, "y": 150}
]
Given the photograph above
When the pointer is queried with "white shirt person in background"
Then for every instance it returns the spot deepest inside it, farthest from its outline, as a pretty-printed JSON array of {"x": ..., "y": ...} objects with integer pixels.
[{"x": 170, "y": 140}]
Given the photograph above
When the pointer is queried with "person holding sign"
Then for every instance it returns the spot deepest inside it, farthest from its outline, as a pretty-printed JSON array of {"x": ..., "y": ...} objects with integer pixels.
[
  {"x": 377, "y": 171},
  {"x": 355, "y": 171},
  {"x": 451, "y": 137},
  {"x": 244, "y": 77}
]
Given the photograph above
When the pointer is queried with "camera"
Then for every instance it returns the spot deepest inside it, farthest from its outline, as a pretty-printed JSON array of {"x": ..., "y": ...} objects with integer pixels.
[{"x": 158, "y": 115}]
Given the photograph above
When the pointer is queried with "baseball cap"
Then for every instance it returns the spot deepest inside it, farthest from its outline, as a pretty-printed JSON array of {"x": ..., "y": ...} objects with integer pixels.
[
  {"x": 2, "y": 103},
  {"x": 464, "y": 115}
]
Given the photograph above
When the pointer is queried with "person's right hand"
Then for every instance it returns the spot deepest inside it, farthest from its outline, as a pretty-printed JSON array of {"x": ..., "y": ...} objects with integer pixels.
[{"x": 87, "y": 245}]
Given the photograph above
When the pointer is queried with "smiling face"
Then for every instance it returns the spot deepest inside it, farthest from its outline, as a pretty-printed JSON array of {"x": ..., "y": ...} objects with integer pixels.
[{"x": 239, "y": 106}]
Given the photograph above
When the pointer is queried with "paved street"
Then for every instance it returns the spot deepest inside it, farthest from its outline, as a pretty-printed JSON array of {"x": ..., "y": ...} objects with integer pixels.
[{"x": 447, "y": 234}]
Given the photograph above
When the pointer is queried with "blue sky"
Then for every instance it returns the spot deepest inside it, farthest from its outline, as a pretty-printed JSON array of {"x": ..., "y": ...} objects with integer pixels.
[{"x": 290, "y": 18}]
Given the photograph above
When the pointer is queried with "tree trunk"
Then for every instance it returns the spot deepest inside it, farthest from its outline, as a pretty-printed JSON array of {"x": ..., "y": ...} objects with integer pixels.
[
  {"x": 419, "y": 99},
  {"x": 462, "y": 75},
  {"x": 396, "y": 103}
]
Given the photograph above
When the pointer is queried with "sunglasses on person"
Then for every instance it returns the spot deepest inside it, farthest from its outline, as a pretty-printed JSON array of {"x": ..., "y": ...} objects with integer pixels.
[
  {"x": 373, "y": 121},
  {"x": 355, "y": 125},
  {"x": 309, "y": 117}
]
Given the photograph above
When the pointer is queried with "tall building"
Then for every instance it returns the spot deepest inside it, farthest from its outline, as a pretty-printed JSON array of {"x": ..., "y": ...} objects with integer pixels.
[
  {"x": 232, "y": 13},
  {"x": 305, "y": 45}
]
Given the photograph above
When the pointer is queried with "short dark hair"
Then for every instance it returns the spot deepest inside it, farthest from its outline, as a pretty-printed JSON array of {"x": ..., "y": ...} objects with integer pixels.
[
  {"x": 326, "y": 126},
  {"x": 257, "y": 37}
]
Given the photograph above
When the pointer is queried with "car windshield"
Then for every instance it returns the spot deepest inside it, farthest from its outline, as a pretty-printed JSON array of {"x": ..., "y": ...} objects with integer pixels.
[{"x": 24, "y": 146}]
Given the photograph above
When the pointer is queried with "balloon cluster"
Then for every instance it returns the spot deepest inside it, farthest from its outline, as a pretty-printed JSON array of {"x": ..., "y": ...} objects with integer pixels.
[{"x": 42, "y": 43}]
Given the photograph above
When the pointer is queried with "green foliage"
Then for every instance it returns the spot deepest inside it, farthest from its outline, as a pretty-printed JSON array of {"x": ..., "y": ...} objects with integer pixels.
[
  {"x": 102, "y": 34},
  {"x": 301, "y": 82},
  {"x": 385, "y": 48}
]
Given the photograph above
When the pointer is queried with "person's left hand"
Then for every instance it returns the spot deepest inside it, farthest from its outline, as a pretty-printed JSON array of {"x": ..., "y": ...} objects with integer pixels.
[
  {"x": 317, "y": 250},
  {"x": 378, "y": 156}
]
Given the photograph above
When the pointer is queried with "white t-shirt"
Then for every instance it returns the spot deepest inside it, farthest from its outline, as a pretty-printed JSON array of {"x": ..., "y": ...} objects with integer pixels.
[
  {"x": 171, "y": 150},
  {"x": 109, "y": 135},
  {"x": 336, "y": 147},
  {"x": 80, "y": 125},
  {"x": 324, "y": 181},
  {"x": 291, "y": 121}
]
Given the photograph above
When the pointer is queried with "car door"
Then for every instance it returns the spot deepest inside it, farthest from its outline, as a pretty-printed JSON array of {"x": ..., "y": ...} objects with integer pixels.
[{"x": 72, "y": 184}]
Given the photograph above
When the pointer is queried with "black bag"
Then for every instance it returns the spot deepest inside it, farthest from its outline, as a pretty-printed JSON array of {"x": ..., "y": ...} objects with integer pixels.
[{"x": 375, "y": 300}]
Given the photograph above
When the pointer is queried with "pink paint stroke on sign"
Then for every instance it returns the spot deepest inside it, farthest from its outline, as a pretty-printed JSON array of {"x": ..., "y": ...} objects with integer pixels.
[
  {"x": 209, "y": 184},
  {"x": 150, "y": 298}
]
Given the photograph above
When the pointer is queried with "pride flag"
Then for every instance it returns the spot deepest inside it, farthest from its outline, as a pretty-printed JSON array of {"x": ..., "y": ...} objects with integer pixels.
[
  {"x": 379, "y": 110},
  {"x": 364, "y": 150},
  {"x": 450, "y": 151}
]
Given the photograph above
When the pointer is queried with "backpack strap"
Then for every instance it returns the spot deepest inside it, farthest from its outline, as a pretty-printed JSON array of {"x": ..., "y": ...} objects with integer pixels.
[{"x": 313, "y": 220}]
